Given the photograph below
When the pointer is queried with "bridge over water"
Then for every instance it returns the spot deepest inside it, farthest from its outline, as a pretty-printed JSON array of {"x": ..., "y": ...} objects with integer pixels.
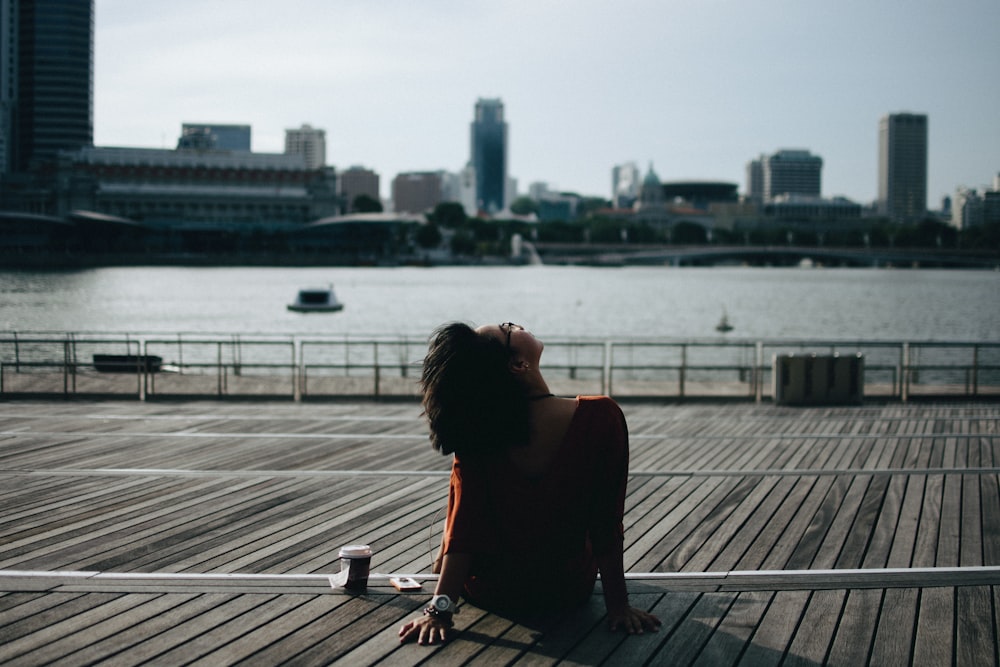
[{"x": 701, "y": 255}]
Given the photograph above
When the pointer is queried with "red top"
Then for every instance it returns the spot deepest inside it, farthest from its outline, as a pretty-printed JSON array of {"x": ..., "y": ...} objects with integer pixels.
[{"x": 533, "y": 537}]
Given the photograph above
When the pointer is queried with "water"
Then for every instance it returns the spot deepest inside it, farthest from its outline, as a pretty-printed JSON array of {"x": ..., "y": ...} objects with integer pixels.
[{"x": 656, "y": 302}]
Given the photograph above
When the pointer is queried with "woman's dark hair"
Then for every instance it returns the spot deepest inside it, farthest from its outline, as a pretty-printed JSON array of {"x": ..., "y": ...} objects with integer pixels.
[{"x": 474, "y": 404}]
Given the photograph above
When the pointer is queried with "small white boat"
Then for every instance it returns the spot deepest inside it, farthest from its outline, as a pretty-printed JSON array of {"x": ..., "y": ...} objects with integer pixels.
[
  {"x": 316, "y": 300},
  {"x": 724, "y": 326}
]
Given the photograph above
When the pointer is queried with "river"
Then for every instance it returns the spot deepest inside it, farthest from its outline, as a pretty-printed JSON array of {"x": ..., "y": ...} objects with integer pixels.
[{"x": 555, "y": 301}]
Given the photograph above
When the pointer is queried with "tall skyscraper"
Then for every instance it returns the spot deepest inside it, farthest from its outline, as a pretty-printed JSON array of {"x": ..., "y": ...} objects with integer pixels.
[
  {"x": 307, "y": 141},
  {"x": 489, "y": 155},
  {"x": 47, "y": 95},
  {"x": 902, "y": 166}
]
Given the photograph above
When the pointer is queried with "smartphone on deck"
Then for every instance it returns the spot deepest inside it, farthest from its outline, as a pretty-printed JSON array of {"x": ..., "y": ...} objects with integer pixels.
[{"x": 405, "y": 583}]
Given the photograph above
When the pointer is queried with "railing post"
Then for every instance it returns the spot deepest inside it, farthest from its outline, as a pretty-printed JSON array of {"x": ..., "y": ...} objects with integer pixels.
[
  {"x": 218, "y": 366},
  {"x": 975, "y": 370},
  {"x": 683, "y": 371},
  {"x": 609, "y": 363},
  {"x": 758, "y": 371},
  {"x": 296, "y": 392},
  {"x": 145, "y": 377},
  {"x": 904, "y": 377}
]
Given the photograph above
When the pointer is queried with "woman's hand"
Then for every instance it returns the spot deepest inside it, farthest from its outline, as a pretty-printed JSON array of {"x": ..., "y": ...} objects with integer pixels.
[
  {"x": 633, "y": 621},
  {"x": 426, "y": 630}
]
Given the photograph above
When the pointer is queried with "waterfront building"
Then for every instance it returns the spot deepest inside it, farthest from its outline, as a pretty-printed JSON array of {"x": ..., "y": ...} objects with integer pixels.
[
  {"x": 971, "y": 208},
  {"x": 354, "y": 182},
  {"x": 651, "y": 206},
  {"x": 47, "y": 81},
  {"x": 902, "y": 166},
  {"x": 625, "y": 183},
  {"x": 700, "y": 194},
  {"x": 233, "y": 190},
  {"x": 803, "y": 208},
  {"x": 792, "y": 172},
  {"x": 214, "y": 136},
  {"x": 309, "y": 142},
  {"x": 417, "y": 191},
  {"x": 489, "y": 155},
  {"x": 991, "y": 207}
]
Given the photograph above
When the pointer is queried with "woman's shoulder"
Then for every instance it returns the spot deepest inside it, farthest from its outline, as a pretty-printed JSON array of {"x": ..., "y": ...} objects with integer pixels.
[
  {"x": 599, "y": 403},
  {"x": 601, "y": 407}
]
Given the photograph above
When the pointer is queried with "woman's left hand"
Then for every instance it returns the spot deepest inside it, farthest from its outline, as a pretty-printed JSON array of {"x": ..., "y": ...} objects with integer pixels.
[
  {"x": 426, "y": 630},
  {"x": 633, "y": 621}
]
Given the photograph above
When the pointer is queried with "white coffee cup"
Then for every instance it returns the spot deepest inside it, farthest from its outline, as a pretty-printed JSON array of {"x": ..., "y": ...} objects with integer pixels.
[{"x": 356, "y": 560}]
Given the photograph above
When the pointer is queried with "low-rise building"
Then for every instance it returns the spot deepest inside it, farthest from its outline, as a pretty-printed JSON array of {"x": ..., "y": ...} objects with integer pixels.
[{"x": 194, "y": 187}]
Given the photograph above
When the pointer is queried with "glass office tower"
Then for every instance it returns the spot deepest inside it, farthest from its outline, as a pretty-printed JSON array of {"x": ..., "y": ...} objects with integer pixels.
[
  {"x": 489, "y": 155},
  {"x": 53, "y": 63}
]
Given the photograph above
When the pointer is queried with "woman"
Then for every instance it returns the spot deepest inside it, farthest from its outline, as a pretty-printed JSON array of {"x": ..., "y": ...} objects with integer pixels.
[{"x": 537, "y": 484}]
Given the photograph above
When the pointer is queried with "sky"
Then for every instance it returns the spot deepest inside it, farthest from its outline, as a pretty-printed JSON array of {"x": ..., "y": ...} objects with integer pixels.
[{"x": 695, "y": 88}]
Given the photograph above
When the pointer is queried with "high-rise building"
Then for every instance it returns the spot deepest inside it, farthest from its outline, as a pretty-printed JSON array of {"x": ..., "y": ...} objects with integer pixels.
[
  {"x": 47, "y": 80},
  {"x": 354, "y": 182},
  {"x": 489, "y": 155},
  {"x": 902, "y": 166},
  {"x": 307, "y": 141},
  {"x": 215, "y": 136},
  {"x": 755, "y": 179},
  {"x": 792, "y": 172}
]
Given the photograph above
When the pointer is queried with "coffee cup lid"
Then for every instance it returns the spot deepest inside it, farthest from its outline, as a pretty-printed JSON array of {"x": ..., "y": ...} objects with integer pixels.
[{"x": 355, "y": 551}]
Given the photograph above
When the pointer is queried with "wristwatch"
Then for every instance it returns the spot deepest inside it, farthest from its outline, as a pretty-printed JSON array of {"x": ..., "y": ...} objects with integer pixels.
[{"x": 442, "y": 604}]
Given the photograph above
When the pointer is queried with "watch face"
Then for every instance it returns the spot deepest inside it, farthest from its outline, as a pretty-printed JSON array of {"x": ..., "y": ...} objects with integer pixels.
[{"x": 442, "y": 603}]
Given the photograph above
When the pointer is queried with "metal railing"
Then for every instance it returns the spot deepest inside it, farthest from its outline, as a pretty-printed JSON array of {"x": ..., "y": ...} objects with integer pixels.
[{"x": 315, "y": 367}]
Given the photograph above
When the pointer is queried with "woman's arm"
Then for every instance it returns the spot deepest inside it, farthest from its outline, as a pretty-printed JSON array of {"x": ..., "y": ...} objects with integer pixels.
[
  {"x": 620, "y": 614},
  {"x": 433, "y": 629}
]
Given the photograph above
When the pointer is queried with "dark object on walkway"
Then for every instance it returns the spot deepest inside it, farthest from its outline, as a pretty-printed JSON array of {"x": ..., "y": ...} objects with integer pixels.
[
  {"x": 127, "y": 363},
  {"x": 819, "y": 380}
]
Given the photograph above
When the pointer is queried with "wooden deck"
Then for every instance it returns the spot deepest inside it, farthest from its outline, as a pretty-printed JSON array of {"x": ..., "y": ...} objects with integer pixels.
[{"x": 203, "y": 533}]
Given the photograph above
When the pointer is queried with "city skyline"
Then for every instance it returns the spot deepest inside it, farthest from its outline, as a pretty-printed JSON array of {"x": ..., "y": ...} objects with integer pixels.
[{"x": 697, "y": 91}]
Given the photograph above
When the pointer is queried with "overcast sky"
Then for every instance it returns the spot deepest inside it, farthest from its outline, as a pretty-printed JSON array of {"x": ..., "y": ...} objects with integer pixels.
[{"x": 695, "y": 87}]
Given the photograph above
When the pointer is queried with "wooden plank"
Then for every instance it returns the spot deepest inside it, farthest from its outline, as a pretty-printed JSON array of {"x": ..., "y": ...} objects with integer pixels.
[
  {"x": 170, "y": 640},
  {"x": 975, "y": 642},
  {"x": 774, "y": 632},
  {"x": 804, "y": 500},
  {"x": 732, "y": 636},
  {"x": 971, "y": 549},
  {"x": 312, "y": 634},
  {"x": 855, "y": 632},
  {"x": 107, "y": 634},
  {"x": 934, "y": 639},
  {"x": 855, "y": 541},
  {"x": 989, "y": 489},
  {"x": 885, "y": 522},
  {"x": 894, "y": 634},
  {"x": 689, "y": 638},
  {"x": 733, "y": 518},
  {"x": 812, "y": 639},
  {"x": 744, "y": 527}
]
